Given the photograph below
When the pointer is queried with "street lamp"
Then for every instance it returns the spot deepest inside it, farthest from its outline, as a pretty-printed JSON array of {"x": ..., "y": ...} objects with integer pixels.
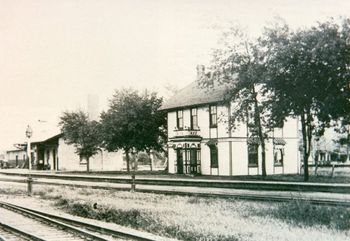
[
  {"x": 133, "y": 184},
  {"x": 29, "y": 133}
]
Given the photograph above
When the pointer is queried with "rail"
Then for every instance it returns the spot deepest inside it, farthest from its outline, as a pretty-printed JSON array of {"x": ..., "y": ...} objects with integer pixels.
[
  {"x": 228, "y": 184},
  {"x": 85, "y": 229}
]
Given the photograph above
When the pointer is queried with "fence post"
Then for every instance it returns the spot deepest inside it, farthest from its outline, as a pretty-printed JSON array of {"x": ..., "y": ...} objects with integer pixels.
[
  {"x": 133, "y": 185},
  {"x": 333, "y": 165},
  {"x": 316, "y": 166},
  {"x": 30, "y": 186}
]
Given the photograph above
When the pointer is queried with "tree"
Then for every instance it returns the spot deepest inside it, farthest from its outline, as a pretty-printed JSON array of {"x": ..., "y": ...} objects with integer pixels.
[
  {"x": 344, "y": 136},
  {"x": 308, "y": 73},
  {"x": 240, "y": 65},
  {"x": 133, "y": 122},
  {"x": 78, "y": 130}
]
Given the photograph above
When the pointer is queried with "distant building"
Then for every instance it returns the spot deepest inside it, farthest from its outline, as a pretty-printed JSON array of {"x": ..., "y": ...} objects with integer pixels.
[
  {"x": 199, "y": 140},
  {"x": 331, "y": 147},
  {"x": 16, "y": 157},
  {"x": 55, "y": 154}
]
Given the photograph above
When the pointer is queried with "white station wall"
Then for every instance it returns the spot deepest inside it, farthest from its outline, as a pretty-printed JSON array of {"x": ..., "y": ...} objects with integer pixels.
[{"x": 237, "y": 163}]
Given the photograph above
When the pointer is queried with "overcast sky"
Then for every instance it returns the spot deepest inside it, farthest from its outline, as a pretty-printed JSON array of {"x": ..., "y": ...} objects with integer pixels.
[{"x": 54, "y": 53}]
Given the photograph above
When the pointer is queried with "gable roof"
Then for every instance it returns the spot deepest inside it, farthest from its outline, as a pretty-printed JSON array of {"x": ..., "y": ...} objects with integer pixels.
[{"x": 194, "y": 95}]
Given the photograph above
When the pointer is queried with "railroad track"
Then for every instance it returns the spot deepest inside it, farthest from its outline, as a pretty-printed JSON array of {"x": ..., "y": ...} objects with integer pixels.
[
  {"x": 195, "y": 182},
  {"x": 253, "y": 193},
  {"x": 7, "y": 235},
  {"x": 20, "y": 223},
  {"x": 265, "y": 196}
]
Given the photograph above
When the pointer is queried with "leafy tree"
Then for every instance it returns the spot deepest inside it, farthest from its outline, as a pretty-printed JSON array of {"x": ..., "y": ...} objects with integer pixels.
[
  {"x": 240, "y": 65},
  {"x": 132, "y": 122},
  {"x": 343, "y": 128},
  {"x": 78, "y": 130},
  {"x": 309, "y": 74}
]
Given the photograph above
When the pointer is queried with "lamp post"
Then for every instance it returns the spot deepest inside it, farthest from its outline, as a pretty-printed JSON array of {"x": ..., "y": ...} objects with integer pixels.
[
  {"x": 133, "y": 183},
  {"x": 29, "y": 133}
]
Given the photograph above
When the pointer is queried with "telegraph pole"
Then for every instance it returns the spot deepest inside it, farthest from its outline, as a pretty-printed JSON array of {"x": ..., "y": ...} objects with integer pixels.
[{"x": 29, "y": 133}]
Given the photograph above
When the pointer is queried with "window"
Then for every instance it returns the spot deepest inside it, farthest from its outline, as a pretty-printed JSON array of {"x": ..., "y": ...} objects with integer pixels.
[
  {"x": 213, "y": 116},
  {"x": 83, "y": 160},
  {"x": 194, "y": 119},
  {"x": 253, "y": 155},
  {"x": 193, "y": 159},
  {"x": 278, "y": 156},
  {"x": 179, "y": 119},
  {"x": 214, "y": 156}
]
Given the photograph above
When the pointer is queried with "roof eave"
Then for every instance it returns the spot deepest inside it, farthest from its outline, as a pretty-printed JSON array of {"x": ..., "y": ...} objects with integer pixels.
[{"x": 193, "y": 105}]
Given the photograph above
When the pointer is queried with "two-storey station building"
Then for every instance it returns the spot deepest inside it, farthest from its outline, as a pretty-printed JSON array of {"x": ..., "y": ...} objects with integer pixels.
[{"x": 201, "y": 142}]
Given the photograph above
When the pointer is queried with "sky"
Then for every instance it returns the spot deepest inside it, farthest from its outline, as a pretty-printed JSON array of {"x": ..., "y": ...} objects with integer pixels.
[{"x": 53, "y": 54}]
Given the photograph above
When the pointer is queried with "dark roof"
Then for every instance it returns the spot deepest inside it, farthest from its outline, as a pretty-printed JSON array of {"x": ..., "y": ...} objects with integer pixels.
[
  {"x": 48, "y": 139},
  {"x": 54, "y": 137},
  {"x": 193, "y": 95}
]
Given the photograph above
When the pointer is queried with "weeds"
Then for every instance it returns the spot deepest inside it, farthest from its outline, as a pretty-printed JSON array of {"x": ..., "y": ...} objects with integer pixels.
[
  {"x": 303, "y": 213},
  {"x": 136, "y": 219},
  {"x": 132, "y": 217},
  {"x": 194, "y": 200},
  {"x": 201, "y": 219},
  {"x": 11, "y": 191}
]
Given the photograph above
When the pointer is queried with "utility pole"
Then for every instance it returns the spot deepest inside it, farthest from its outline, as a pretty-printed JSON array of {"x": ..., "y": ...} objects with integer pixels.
[{"x": 29, "y": 133}]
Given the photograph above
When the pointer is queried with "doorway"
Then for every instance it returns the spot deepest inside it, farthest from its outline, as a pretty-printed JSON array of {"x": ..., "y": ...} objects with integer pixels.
[{"x": 179, "y": 161}]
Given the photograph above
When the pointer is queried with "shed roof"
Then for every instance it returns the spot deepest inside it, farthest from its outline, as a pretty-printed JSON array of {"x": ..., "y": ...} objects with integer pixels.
[{"x": 193, "y": 95}]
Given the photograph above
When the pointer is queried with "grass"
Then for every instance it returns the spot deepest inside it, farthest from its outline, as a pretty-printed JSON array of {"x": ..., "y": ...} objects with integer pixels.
[
  {"x": 197, "y": 218},
  {"x": 137, "y": 215},
  {"x": 323, "y": 178},
  {"x": 303, "y": 213}
]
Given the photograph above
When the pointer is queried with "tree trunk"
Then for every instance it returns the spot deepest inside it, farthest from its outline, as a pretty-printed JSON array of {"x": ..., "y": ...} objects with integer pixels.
[
  {"x": 307, "y": 136},
  {"x": 263, "y": 159},
  {"x": 150, "y": 154},
  {"x": 134, "y": 162},
  {"x": 127, "y": 157},
  {"x": 87, "y": 164},
  {"x": 260, "y": 133}
]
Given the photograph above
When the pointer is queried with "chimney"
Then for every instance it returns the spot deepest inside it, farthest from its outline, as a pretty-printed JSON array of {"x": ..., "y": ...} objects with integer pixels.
[
  {"x": 200, "y": 72},
  {"x": 93, "y": 107}
]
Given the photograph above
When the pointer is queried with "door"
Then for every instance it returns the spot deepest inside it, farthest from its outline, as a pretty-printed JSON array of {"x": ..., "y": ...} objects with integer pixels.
[
  {"x": 179, "y": 161},
  {"x": 54, "y": 159}
]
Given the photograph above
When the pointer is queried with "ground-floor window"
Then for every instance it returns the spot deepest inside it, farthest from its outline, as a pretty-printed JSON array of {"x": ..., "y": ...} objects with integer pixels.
[
  {"x": 214, "y": 156},
  {"x": 278, "y": 155},
  {"x": 253, "y": 155},
  {"x": 278, "y": 151},
  {"x": 83, "y": 160}
]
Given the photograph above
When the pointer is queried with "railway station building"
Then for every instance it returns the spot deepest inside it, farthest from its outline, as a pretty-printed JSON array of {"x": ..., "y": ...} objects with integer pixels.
[
  {"x": 16, "y": 157},
  {"x": 201, "y": 142},
  {"x": 53, "y": 153}
]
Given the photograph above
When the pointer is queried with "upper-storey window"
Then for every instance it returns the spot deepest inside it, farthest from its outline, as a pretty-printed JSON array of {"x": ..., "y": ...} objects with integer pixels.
[
  {"x": 194, "y": 119},
  {"x": 179, "y": 119},
  {"x": 213, "y": 115}
]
